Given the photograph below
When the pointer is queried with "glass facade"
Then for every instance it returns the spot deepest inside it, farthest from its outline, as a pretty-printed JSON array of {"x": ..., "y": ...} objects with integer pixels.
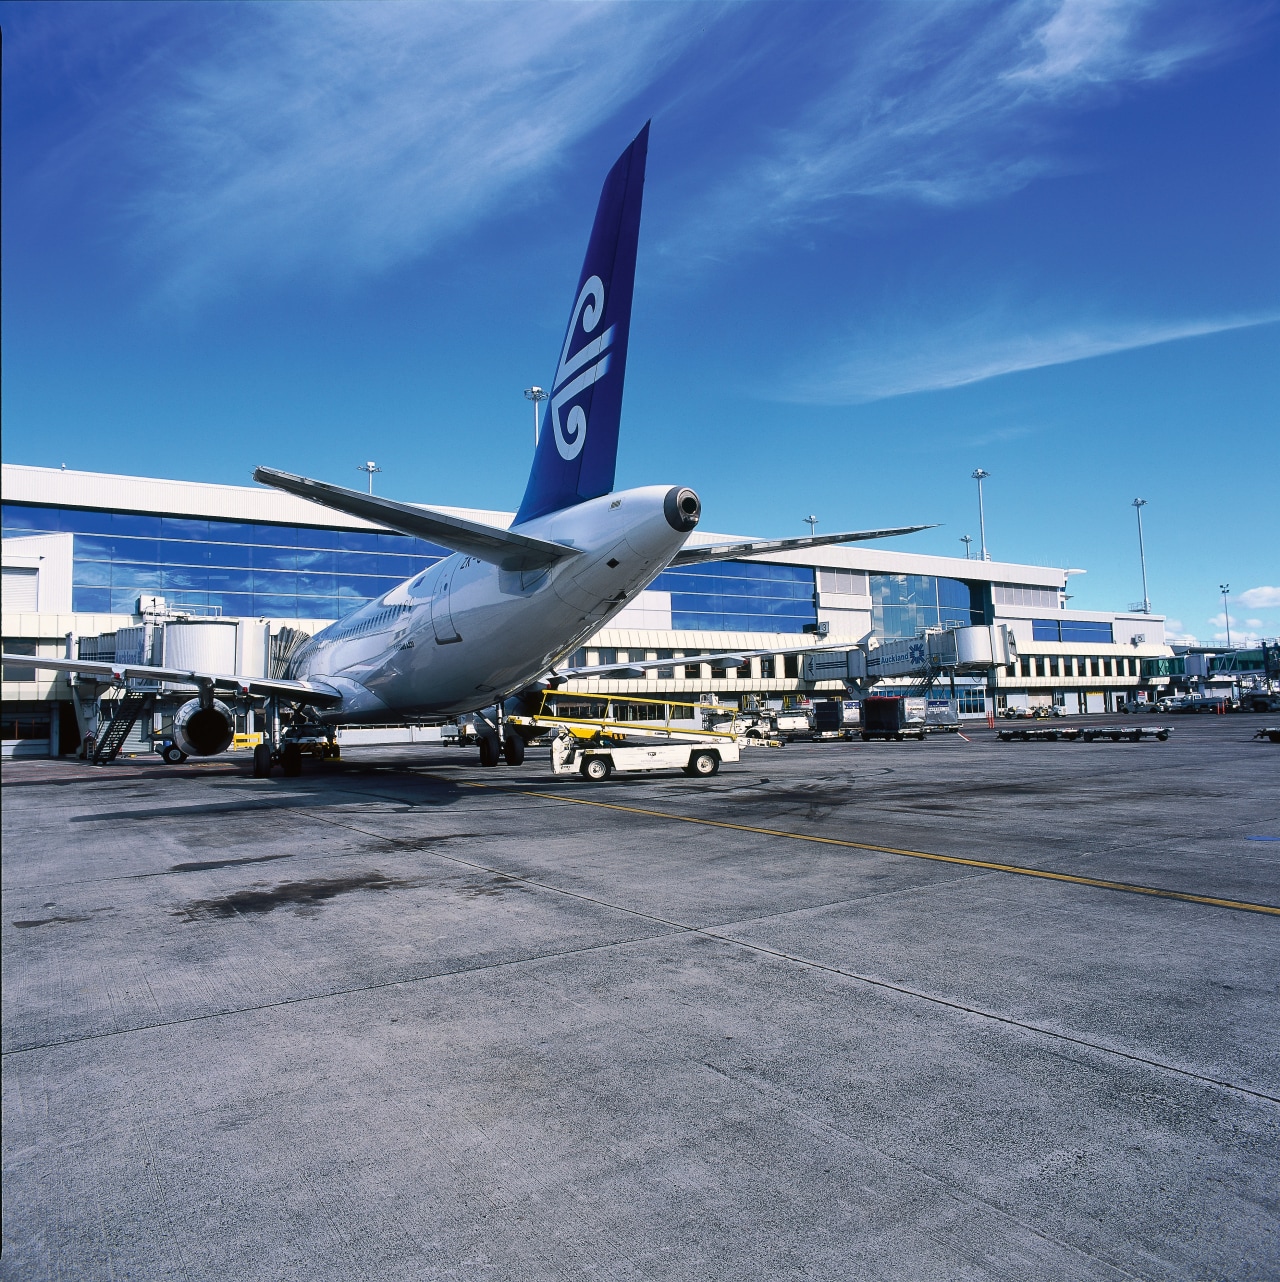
[
  {"x": 904, "y": 605},
  {"x": 1071, "y": 630},
  {"x": 740, "y": 596},
  {"x": 250, "y": 568}
]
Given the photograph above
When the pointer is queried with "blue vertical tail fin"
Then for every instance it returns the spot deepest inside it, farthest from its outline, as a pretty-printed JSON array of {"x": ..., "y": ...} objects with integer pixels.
[{"x": 578, "y": 444}]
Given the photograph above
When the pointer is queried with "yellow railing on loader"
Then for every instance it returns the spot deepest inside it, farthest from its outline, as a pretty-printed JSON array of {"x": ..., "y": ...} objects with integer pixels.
[{"x": 607, "y": 726}]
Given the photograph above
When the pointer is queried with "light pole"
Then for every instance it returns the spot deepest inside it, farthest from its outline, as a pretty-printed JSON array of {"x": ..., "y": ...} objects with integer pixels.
[
  {"x": 812, "y": 523},
  {"x": 371, "y": 467},
  {"x": 1224, "y": 588},
  {"x": 1142, "y": 553},
  {"x": 979, "y": 475},
  {"x": 535, "y": 394},
  {"x": 966, "y": 539}
]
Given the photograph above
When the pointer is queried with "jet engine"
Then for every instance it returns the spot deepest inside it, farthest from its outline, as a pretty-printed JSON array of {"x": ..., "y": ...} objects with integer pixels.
[{"x": 204, "y": 732}]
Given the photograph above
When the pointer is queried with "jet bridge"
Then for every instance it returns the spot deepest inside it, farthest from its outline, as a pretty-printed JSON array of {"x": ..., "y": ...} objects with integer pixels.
[{"x": 959, "y": 651}]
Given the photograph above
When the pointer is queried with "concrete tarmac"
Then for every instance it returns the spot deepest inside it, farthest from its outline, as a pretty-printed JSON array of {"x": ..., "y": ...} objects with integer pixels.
[{"x": 407, "y": 1018}]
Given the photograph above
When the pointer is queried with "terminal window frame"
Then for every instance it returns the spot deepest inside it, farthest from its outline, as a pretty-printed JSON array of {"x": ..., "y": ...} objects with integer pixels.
[
  {"x": 905, "y": 605},
  {"x": 740, "y": 596},
  {"x": 12, "y": 672},
  {"x": 242, "y": 568}
]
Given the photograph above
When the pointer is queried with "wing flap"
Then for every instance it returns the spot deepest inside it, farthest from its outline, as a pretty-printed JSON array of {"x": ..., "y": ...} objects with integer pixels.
[
  {"x": 484, "y": 542},
  {"x": 315, "y": 693},
  {"x": 759, "y": 547}
]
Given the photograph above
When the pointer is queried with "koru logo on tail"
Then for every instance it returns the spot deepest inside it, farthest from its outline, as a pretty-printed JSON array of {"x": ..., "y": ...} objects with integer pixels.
[{"x": 571, "y": 378}]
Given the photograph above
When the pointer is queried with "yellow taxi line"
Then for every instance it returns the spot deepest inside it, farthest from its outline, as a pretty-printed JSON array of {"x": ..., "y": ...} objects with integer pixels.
[{"x": 1097, "y": 882}]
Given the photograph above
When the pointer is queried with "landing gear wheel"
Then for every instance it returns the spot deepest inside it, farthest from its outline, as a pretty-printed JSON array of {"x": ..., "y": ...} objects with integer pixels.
[
  {"x": 173, "y": 754},
  {"x": 261, "y": 761},
  {"x": 513, "y": 750},
  {"x": 291, "y": 761},
  {"x": 597, "y": 769},
  {"x": 488, "y": 750},
  {"x": 704, "y": 764}
]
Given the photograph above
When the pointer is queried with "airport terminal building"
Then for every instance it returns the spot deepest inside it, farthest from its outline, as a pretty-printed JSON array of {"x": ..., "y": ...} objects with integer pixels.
[{"x": 86, "y": 553}]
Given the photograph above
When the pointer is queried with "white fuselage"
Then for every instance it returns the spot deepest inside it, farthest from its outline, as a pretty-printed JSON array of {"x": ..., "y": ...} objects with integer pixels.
[{"x": 465, "y": 633}]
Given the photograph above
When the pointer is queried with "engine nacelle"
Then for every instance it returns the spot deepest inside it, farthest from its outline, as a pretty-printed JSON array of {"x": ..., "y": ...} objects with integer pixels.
[{"x": 204, "y": 732}]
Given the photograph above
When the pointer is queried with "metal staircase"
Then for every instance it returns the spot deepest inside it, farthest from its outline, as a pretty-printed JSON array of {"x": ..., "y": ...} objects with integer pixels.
[{"x": 125, "y": 714}]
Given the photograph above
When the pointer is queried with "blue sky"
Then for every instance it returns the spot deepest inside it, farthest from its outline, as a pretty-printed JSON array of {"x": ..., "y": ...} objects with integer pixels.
[{"x": 883, "y": 244}]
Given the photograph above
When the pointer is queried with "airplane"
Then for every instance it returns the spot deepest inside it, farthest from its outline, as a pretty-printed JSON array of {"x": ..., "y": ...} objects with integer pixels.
[{"x": 483, "y": 631}]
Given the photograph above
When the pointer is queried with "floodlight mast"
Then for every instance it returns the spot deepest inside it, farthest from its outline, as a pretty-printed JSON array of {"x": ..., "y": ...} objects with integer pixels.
[
  {"x": 979, "y": 475},
  {"x": 1138, "y": 505},
  {"x": 371, "y": 467},
  {"x": 966, "y": 539},
  {"x": 1225, "y": 588},
  {"x": 812, "y": 523},
  {"x": 536, "y": 395}
]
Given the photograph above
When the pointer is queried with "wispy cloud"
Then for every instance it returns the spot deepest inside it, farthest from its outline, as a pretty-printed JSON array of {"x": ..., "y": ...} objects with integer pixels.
[
  {"x": 1260, "y": 598},
  {"x": 947, "y": 104},
  {"x": 979, "y": 349},
  {"x": 352, "y": 137}
]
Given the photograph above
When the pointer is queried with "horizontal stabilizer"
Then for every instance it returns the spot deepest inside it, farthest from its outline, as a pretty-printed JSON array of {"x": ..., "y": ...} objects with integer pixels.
[
  {"x": 759, "y": 547},
  {"x": 312, "y": 693},
  {"x": 484, "y": 542}
]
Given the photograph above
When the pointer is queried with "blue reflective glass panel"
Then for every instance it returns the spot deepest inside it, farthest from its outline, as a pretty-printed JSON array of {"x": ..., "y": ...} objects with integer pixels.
[
  {"x": 229, "y": 579},
  {"x": 274, "y": 558},
  {"x": 239, "y": 555},
  {"x": 275, "y": 604},
  {"x": 236, "y": 532},
  {"x": 275, "y": 581},
  {"x": 358, "y": 540},
  {"x": 239, "y": 603},
  {"x": 131, "y": 523},
  {"x": 1045, "y": 630},
  {"x": 1086, "y": 631},
  {"x": 140, "y": 578},
  {"x": 358, "y": 563},
  {"x": 178, "y": 552},
  {"x": 91, "y": 600},
  {"x": 123, "y": 600},
  {"x": 183, "y": 527},
  {"x": 317, "y": 584},
  {"x": 312, "y": 537},
  {"x": 317, "y": 559},
  {"x": 189, "y": 577},
  {"x": 91, "y": 573}
]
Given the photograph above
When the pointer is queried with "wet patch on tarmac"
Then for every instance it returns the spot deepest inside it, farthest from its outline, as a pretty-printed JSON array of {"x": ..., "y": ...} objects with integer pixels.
[
  {"x": 304, "y": 897},
  {"x": 210, "y": 865},
  {"x": 46, "y": 921}
]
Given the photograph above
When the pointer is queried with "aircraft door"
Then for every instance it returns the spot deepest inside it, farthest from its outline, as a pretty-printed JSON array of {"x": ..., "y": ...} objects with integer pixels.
[{"x": 441, "y": 618}]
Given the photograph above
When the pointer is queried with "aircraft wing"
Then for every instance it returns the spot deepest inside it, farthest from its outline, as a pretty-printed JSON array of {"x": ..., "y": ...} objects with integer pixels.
[
  {"x": 758, "y": 547},
  {"x": 314, "y": 693},
  {"x": 729, "y": 659},
  {"x": 484, "y": 542}
]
